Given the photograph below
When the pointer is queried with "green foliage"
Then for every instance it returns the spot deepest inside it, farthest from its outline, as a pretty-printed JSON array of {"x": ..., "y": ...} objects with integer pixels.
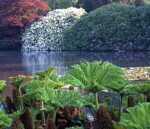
[
  {"x": 142, "y": 88},
  {"x": 111, "y": 27},
  {"x": 90, "y": 5},
  {"x": 62, "y": 99},
  {"x": 75, "y": 128},
  {"x": 41, "y": 91},
  {"x": 86, "y": 4},
  {"x": 5, "y": 121},
  {"x": 2, "y": 85},
  {"x": 49, "y": 73},
  {"x": 96, "y": 76},
  {"x": 18, "y": 80},
  {"x": 49, "y": 77},
  {"x": 61, "y": 3},
  {"x": 137, "y": 117},
  {"x": 37, "y": 89}
]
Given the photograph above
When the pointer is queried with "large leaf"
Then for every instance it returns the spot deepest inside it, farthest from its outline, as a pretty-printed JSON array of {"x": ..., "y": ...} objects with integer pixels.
[
  {"x": 137, "y": 117},
  {"x": 54, "y": 98},
  {"x": 96, "y": 76},
  {"x": 59, "y": 98}
]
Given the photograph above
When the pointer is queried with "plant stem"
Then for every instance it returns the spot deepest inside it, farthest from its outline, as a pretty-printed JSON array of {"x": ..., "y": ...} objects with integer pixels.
[
  {"x": 54, "y": 115},
  {"x": 43, "y": 114},
  {"x": 97, "y": 102}
]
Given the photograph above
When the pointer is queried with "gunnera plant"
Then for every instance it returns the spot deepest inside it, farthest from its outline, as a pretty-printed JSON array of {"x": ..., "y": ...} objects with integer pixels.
[
  {"x": 96, "y": 76},
  {"x": 136, "y": 117},
  {"x": 47, "y": 33}
]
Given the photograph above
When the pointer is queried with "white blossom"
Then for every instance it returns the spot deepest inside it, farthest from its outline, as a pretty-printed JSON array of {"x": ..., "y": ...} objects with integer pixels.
[{"x": 47, "y": 33}]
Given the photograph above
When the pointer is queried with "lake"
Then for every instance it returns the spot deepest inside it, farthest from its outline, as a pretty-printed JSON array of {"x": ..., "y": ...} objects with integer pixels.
[{"x": 16, "y": 62}]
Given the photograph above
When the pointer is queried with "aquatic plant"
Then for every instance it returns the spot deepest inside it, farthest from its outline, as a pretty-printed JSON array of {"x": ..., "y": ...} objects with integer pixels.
[
  {"x": 18, "y": 13},
  {"x": 136, "y": 117},
  {"x": 47, "y": 33},
  {"x": 96, "y": 76}
]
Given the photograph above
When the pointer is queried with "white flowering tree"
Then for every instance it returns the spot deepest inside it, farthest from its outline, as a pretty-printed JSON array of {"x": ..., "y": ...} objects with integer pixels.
[{"x": 47, "y": 33}]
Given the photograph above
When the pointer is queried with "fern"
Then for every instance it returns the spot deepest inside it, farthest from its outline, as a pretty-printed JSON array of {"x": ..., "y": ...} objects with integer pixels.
[
  {"x": 96, "y": 76},
  {"x": 137, "y": 117}
]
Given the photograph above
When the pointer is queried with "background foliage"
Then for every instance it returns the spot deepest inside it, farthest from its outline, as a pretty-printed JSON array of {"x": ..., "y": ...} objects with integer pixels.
[
  {"x": 22, "y": 12},
  {"x": 111, "y": 27}
]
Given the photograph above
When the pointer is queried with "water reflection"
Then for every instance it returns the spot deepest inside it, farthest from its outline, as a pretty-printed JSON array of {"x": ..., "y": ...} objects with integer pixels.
[
  {"x": 36, "y": 61},
  {"x": 14, "y": 62}
]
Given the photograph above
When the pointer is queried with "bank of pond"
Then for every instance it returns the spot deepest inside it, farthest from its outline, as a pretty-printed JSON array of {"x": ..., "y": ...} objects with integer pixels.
[
  {"x": 115, "y": 26},
  {"x": 94, "y": 95}
]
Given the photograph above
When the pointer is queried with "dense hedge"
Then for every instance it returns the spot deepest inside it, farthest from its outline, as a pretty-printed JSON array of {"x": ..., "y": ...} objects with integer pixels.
[{"x": 111, "y": 27}]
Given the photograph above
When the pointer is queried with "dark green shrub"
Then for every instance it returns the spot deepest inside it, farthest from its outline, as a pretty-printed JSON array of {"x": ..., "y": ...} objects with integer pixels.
[
  {"x": 90, "y": 5},
  {"x": 61, "y": 3},
  {"x": 111, "y": 27}
]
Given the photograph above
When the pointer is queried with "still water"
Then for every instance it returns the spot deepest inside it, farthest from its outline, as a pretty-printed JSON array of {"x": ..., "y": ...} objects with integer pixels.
[{"x": 15, "y": 62}]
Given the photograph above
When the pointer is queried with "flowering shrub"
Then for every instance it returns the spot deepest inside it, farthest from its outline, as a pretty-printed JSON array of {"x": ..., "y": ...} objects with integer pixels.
[
  {"x": 47, "y": 33},
  {"x": 19, "y": 13}
]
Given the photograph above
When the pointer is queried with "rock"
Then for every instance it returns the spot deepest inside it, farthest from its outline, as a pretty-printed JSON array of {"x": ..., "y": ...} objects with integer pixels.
[{"x": 137, "y": 73}]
